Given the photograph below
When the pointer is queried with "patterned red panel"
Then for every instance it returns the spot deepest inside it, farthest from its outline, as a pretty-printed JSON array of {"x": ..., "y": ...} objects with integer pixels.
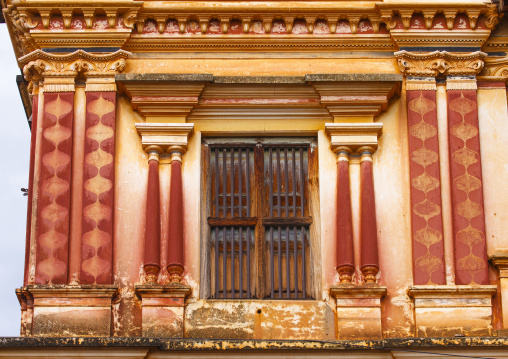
[
  {"x": 98, "y": 180},
  {"x": 33, "y": 128},
  {"x": 427, "y": 223},
  {"x": 54, "y": 189},
  {"x": 467, "y": 192}
]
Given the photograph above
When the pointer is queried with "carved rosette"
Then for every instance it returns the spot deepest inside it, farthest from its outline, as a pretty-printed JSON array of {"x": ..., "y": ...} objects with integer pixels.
[{"x": 440, "y": 63}]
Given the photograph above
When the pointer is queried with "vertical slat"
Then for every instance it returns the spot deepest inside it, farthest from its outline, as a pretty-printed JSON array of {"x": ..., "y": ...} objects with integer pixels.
[
  {"x": 233, "y": 292},
  {"x": 232, "y": 164},
  {"x": 217, "y": 182},
  {"x": 270, "y": 182},
  {"x": 270, "y": 201},
  {"x": 224, "y": 264},
  {"x": 272, "y": 268},
  {"x": 302, "y": 184},
  {"x": 304, "y": 276},
  {"x": 217, "y": 175},
  {"x": 278, "y": 183},
  {"x": 286, "y": 207},
  {"x": 279, "y": 249},
  {"x": 240, "y": 192},
  {"x": 247, "y": 185},
  {"x": 286, "y": 174},
  {"x": 224, "y": 182},
  {"x": 232, "y": 183},
  {"x": 296, "y": 261},
  {"x": 217, "y": 262},
  {"x": 279, "y": 254},
  {"x": 288, "y": 271},
  {"x": 295, "y": 258},
  {"x": 240, "y": 262},
  {"x": 294, "y": 181},
  {"x": 240, "y": 214}
]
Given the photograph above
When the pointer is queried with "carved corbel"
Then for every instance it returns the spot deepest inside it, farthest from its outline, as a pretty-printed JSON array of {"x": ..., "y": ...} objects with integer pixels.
[
  {"x": 140, "y": 24},
  {"x": 129, "y": 19},
  {"x": 224, "y": 24},
  {"x": 161, "y": 23},
  {"x": 21, "y": 21},
  {"x": 246, "y": 23},
  {"x": 45, "y": 14},
  {"x": 88, "y": 15},
  {"x": 406, "y": 16},
  {"x": 310, "y": 20},
  {"x": 332, "y": 23},
  {"x": 375, "y": 22},
  {"x": 492, "y": 16},
  {"x": 267, "y": 24},
  {"x": 182, "y": 24},
  {"x": 428, "y": 16},
  {"x": 389, "y": 21},
  {"x": 450, "y": 18},
  {"x": 289, "y": 21},
  {"x": 353, "y": 23},
  {"x": 473, "y": 16},
  {"x": 67, "y": 18},
  {"x": 112, "y": 16},
  {"x": 203, "y": 24}
]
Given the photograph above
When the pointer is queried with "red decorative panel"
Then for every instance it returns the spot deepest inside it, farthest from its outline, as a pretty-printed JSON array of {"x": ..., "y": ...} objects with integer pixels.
[
  {"x": 427, "y": 223},
  {"x": 466, "y": 187},
  {"x": 98, "y": 180},
  {"x": 33, "y": 128},
  {"x": 54, "y": 189}
]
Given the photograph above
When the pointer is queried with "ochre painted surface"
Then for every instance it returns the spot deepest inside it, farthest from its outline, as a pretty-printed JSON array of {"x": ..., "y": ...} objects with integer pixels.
[
  {"x": 54, "y": 189},
  {"x": 98, "y": 180},
  {"x": 471, "y": 265},
  {"x": 427, "y": 226}
]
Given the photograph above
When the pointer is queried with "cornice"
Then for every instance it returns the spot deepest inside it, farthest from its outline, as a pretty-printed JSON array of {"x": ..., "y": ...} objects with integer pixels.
[
  {"x": 438, "y": 63},
  {"x": 58, "y": 71},
  {"x": 451, "y": 291},
  {"x": 271, "y": 25}
]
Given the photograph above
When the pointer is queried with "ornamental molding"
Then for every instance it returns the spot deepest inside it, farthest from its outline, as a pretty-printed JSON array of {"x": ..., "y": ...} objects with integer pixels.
[
  {"x": 58, "y": 71},
  {"x": 353, "y": 136},
  {"x": 165, "y": 136},
  {"x": 440, "y": 63},
  {"x": 495, "y": 69}
]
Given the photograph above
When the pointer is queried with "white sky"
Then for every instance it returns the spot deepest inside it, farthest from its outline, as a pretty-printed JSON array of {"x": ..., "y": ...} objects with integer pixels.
[{"x": 14, "y": 160}]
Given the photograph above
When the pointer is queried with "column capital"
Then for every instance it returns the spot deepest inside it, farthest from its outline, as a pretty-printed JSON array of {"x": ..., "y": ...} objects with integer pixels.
[
  {"x": 353, "y": 136},
  {"x": 500, "y": 260},
  {"x": 58, "y": 72},
  {"x": 495, "y": 69},
  {"x": 437, "y": 63},
  {"x": 170, "y": 137}
]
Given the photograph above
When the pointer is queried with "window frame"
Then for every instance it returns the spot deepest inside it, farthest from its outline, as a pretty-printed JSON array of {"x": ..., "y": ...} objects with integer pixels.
[{"x": 261, "y": 289}]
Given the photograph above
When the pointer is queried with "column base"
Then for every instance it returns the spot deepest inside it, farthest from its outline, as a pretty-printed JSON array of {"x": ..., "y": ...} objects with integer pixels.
[
  {"x": 69, "y": 310},
  {"x": 358, "y": 312},
  {"x": 163, "y": 308},
  {"x": 447, "y": 310}
]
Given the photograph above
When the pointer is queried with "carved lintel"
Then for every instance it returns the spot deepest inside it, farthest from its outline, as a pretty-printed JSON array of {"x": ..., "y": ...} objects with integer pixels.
[
  {"x": 59, "y": 71},
  {"x": 354, "y": 135},
  {"x": 165, "y": 135},
  {"x": 440, "y": 63}
]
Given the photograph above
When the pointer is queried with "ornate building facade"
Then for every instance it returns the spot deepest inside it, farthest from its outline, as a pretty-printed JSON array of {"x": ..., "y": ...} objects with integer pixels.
[{"x": 251, "y": 178}]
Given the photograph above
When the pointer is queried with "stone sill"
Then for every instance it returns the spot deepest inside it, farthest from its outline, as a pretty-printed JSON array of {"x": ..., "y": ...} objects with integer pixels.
[{"x": 188, "y": 344}]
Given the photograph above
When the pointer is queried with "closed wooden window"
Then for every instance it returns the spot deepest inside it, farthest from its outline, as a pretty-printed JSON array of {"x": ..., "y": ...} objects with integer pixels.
[{"x": 258, "y": 218}]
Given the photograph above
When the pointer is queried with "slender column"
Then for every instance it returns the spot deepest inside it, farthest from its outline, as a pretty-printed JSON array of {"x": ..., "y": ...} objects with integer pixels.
[
  {"x": 466, "y": 182},
  {"x": 33, "y": 128},
  {"x": 345, "y": 245},
  {"x": 426, "y": 213},
  {"x": 175, "y": 238},
  {"x": 153, "y": 224},
  {"x": 368, "y": 226}
]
